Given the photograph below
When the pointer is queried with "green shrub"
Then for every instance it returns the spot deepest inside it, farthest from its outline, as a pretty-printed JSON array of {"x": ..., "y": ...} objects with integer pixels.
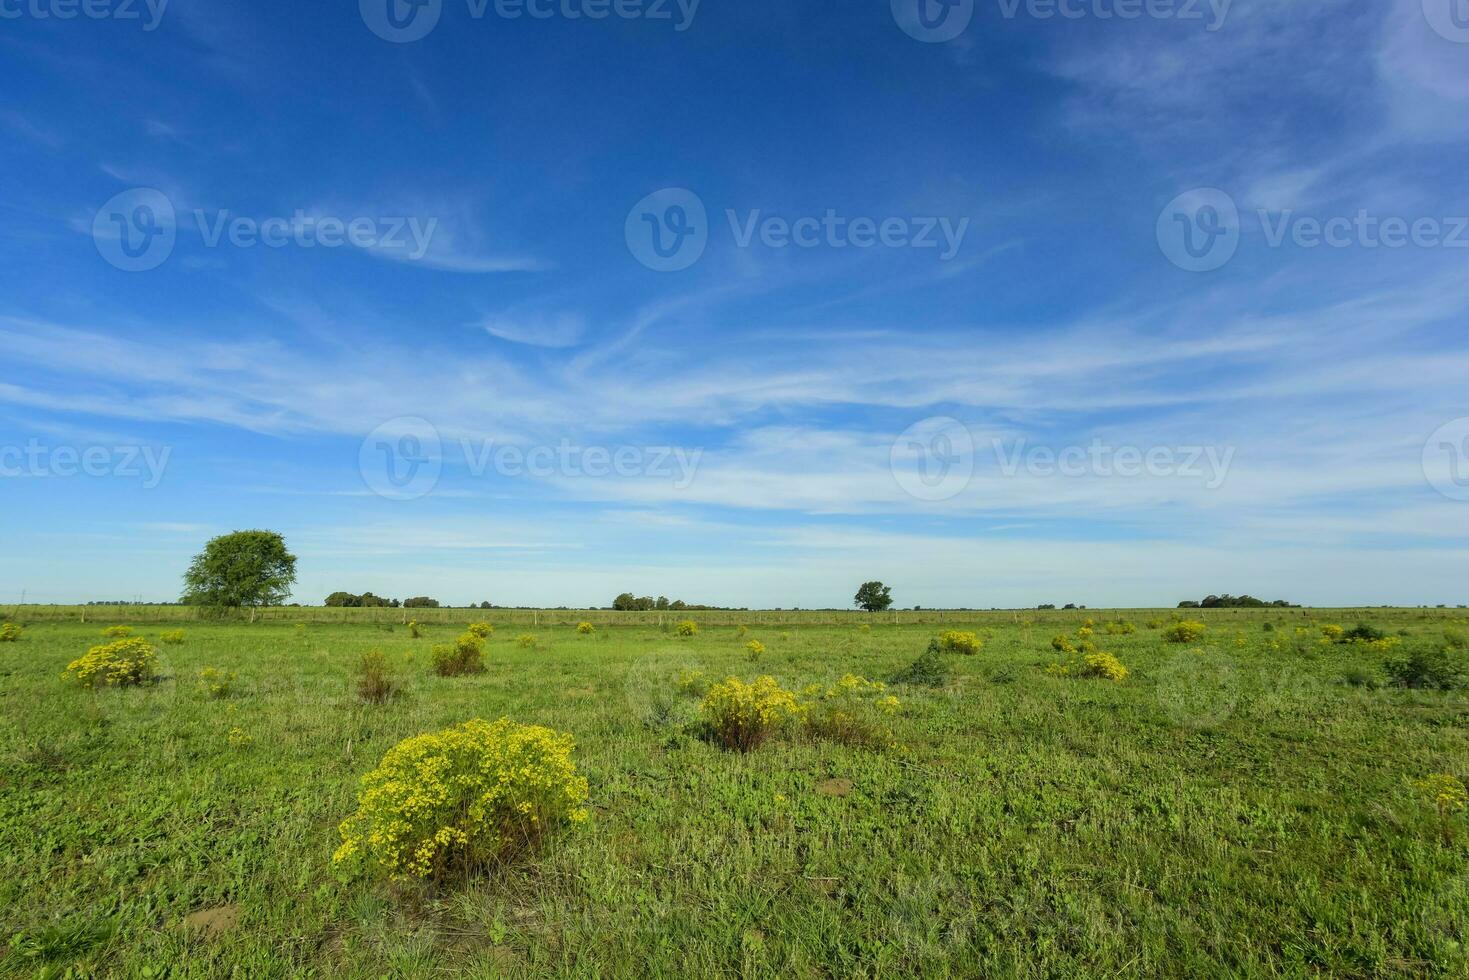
[
  {"x": 527, "y": 641},
  {"x": 375, "y": 681},
  {"x": 465, "y": 655},
  {"x": 691, "y": 681},
  {"x": 415, "y": 629},
  {"x": 1438, "y": 670},
  {"x": 118, "y": 664},
  {"x": 461, "y": 798},
  {"x": 1184, "y": 631},
  {"x": 853, "y": 711},
  {"x": 1358, "y": 676},
  {"x": 1363, "y": 633},
  {"x": 931, "y": 669}
]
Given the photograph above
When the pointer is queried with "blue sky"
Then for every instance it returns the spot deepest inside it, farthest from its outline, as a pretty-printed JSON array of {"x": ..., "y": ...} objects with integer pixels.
[{"x": 1091, "y": 308}]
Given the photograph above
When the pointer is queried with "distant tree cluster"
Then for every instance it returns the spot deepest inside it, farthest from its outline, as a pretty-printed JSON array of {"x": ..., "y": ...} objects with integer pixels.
[
  {"x": 365, "y": 600},
  {"x": 1228, "y": 601}
]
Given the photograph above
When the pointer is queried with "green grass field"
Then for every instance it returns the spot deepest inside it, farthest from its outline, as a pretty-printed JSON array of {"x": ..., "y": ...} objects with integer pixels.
[{"x": 1232, "y": 808}]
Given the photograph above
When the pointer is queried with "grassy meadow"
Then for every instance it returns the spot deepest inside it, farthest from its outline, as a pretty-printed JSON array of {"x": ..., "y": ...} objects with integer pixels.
[{"x": 1233, "y": 807}]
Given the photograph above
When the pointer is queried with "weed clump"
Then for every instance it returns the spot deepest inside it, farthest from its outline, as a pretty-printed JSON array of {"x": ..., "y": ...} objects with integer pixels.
[
  {"x": 955, "y": 641},
  {"x": 853, "y": 711},
  {"x": 481, "y": 630},
  {"x": 741, "y": 716},
  {"x": 465, "y": 655},
  {"x": 117, "y": 632},
  {"x": 687, "y": 628},
  {"x": 754, "y": 650},
  {"x": 931, "y": 669},
  {"x": 690, "y": 681},
  {"x": 9, "y": 633},
  {"x": 217, "y": 683},
  {"x": 460, "y": 798},
  {"x": 375, "y": 681},
  {"x": 1184, "y": 631},
  {"x": 171, "y": 637},
  {"x": 1437, "y": 670},
  {"x": 121, "y": 663},
  {"x": 585, "y": 629},
  {"x": 527, "y": 641}
]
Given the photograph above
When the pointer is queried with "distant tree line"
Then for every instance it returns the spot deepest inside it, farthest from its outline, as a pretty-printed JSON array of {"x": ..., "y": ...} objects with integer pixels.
[
  {"x": 1228, "y": 601},
  {"x": 367, "y": 600},
  {"x": 627, "y": 602}
]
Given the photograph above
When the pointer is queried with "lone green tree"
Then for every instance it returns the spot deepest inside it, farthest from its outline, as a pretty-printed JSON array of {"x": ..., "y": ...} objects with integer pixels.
[
  {"x": 874, "y": 597},
  {"x": 244, "y": 569}
]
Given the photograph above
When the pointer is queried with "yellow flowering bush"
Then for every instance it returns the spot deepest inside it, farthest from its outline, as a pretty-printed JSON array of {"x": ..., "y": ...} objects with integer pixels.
[
  {"x": 1332, "y": 633},
  {"x": 741, "y": 715},
  {"x": 527, "y": 641},
  {"x": 456, "y": 799},
  {"x": 954, "y": 641},
  {"x": 171, "y": 637},
  {"x": 1062, "y": 644},
  {"x": 1119, "y": 627},
  {"x": 853, "y": 711},
  {"x": 415, "y": 629},
  {"x": 481, "y": 630},
  {"x": 1104, "y": 666},
  {"x": 116, "y": 664},
  {"x": 585, "y": 628},
  {"x": 1184, "y": 631},
  {"x": 217, "y": 683},
  {"x": 9, "y": 633},
  {"x": 465, "y": 655},
  {"x": 687, "y": 628},
  {"x": 117, "y": 632},
  {"x": 755, "y": 649},
  {"x": 691, "y": 681}
]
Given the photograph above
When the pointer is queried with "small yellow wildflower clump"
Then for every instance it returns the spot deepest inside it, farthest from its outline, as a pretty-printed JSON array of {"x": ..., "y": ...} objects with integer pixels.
[
  {"x": 117, "y": 632},
  {"x": 217, "y": 683},
  {"x": 865, "y": 627},
  {"x": 691, "y": 681},
  {"x": 1332, "y": 632},
  {"x": 9, "y": 633},
  {"x": 459, "y": 798},
  {"x": 742, "y": 715},
  {"x": 1062, "y": 644},
  {"x": 1119, "y": 627},
  {"x": 239, "y": 738},
  {"x": 687, "y": 628},
  {"x": 117, "y": 664},
  {"x": 1445, "y": 792},
  {"x": 465, "y": 655},
  {"x": 954, "y": 641},
  {"x": 527, "y": 641},
  {"x": 171, "y": 637},
  {"x": 755, "y": 649},
  {"x": 853, "y": 711},
  {"x": 415, "y": 629},
  {"x": 585, "y": 629},
  {"x": 481, "y": 630},
  {"x": 1184, "y": 631}
]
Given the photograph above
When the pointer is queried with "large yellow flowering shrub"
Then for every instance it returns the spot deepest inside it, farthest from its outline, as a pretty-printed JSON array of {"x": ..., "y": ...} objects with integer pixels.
[
  {"x": 955, "y": 641},
  {"x": 687, "y": 628},
  {"x": 116, "y": 664},
  {"x": 459, "y": 798},
  {"x": 586, "y": 629},
  {"x": 741, "y": 715}
]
